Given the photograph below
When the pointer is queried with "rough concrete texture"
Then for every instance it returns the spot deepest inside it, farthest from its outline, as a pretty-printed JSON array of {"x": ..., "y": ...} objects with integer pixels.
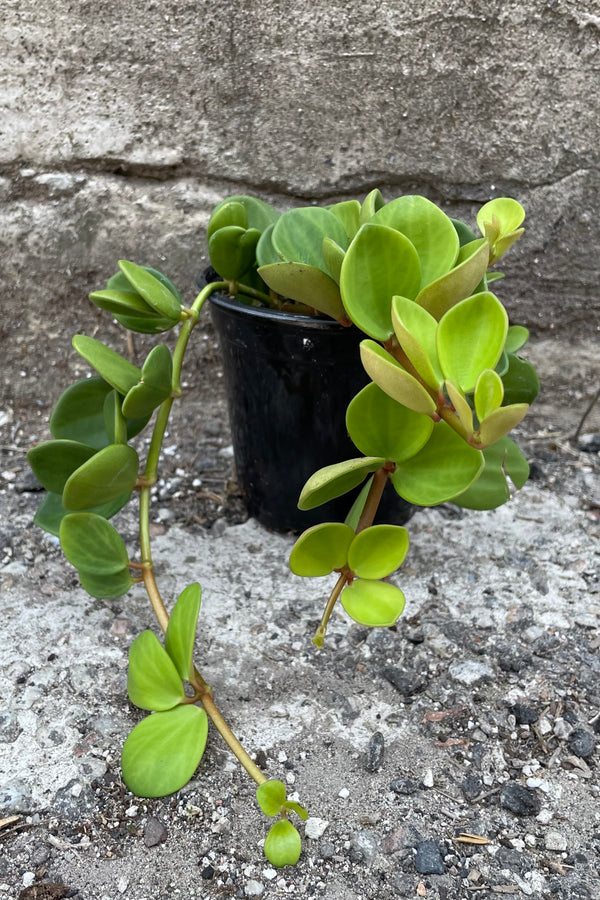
[{"x": 122, "y": 123}]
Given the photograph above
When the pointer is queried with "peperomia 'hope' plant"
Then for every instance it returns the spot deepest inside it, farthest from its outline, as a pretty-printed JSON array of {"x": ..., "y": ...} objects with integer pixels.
[{"x": 447, "y": 386}]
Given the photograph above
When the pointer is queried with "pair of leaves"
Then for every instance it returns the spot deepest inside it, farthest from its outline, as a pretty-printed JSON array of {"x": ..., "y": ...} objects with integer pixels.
[
  {"x": 163, "y": 751},
  {"x": 234, "y": 230},
  {"x": 282, "y": 844},
  {"x": 140, "y": 298},
  {"x": 499, "y": 222},
  {"x": 144, "y": 390},
  {"x": 97, "y": 551},
  {"x": 370, "y": 555}
]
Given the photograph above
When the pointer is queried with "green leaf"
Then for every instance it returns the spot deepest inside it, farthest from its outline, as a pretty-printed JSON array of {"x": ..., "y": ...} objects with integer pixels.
[
  {"x": 108, "y": 474},
  {"x": 416, "y": 331},
  {"x": 516, "y": 338},
  {"x": 122, "y": 303},
  {"x": 91, "y": 544},
  {"x": 470, "y": 338},
  {"x": 333, "y": 481},
  {"x": 373, "y": 603},
  {"x": 282, "y": 844},
  {"x": 265, "y": 251},
  {"x": 461, "y": 405},
  {"x": 118, "y": 282},
  {"x": 164, "y": 750},
  {"x": 181, "y": 630},
  {"x": 507, "y": 213},
  {"x": 142, "y": 400},
  {"x": 428, "y": 229},
  {"x": 521, "y": 384},
  {"x": 297, "y": 808},
  {"x": 444, "y": 468},
  {"x": 232, "y": 251},
  {"x": 114, "y": 420},
  {"x": 157, "y": 325},
  {"x": 380, "y": 426},
  {"x": 299, "y": 233},
  {"x": 321, "y": 549},
  {"x": 306, "y": 284},
  {"x": 377, "y": 551},
  {"x": 334, "y": 257},
  {"x": 465, "y": 234},
  {"x": 370, "y": 205},
  {"x": 393, "y": 380},
  {"x": 78, "y": 414},
  {"x": 500, "y": 422},
  {"x": 348, "y": 212},
  {"x": 152, "y": 290},
  {"x": 503, "y": 459},
  {"x": 271, "y": 796},
  {"x": 106, "y": 587},
  {"x": 356, "y": 510},
  {"x": 53, "y": 462},
  {"x": 152, "y": 679},
  {"x": 229, "y": 212},
  {"x": 378, "y": 264},
  {"x": 259, "y": 214},
  {"x": 118, "y": 372},
  {"x": 489, "y": 393},
  {"x": 460, "y": 282},
  {"x": 51, "y": 511}
]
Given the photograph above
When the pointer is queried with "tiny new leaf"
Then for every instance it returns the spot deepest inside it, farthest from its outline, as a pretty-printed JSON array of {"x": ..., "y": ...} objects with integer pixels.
[
  {"x": 152, "y": 680},
  {"x": 271, "y": 796},
  {"x": 283, "y": 844},
  {"x": 164, "y": 750}
]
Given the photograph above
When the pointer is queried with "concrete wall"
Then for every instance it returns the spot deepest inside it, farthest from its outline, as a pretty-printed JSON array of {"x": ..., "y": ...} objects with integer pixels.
[{"x": 122, "y": 123}]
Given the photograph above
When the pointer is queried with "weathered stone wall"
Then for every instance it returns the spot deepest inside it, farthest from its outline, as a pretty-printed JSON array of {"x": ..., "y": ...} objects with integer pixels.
[{"x": 122, "y": 123}]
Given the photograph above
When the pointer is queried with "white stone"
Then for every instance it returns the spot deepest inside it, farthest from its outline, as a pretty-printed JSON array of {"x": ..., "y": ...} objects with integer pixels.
[
  {"x": 556, "y": 841},
  {"x": 470, "y": 672},
  {"x": 315, "y": 827},
  {"x": 344, "y": 793}
]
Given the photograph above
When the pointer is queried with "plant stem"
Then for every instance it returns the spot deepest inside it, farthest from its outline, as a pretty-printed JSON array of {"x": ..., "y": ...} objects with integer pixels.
[
  {"x": 333, "y": 598},
  {"x": 149, "y": 477}
]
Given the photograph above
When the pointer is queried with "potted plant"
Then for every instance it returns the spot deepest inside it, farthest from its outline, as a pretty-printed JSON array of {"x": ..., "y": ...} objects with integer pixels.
[{"x": 445, "y": 386}]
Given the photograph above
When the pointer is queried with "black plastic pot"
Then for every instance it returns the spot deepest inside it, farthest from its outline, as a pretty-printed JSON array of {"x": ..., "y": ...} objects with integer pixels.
[{"x": 289, "y": 379}]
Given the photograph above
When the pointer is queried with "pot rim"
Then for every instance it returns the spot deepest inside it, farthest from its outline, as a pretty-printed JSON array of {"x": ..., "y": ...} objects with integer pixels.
[{"x": 236, "y": 307}]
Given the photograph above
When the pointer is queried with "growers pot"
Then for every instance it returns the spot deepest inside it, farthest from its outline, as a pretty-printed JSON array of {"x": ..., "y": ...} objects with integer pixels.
[{"x": 289, "y": 379}]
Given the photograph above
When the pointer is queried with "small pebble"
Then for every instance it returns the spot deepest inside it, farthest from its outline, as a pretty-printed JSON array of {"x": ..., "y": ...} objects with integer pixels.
[
  {"x": 428, "y": 779},
  {"x": 582, "y": 743},
  {"x": 524, "y": 715},
  {"x": 556, "y": 841},
  {"x": 404, "y": 786},
  {"x": 374, "y": 755},
  {"x": 344, "y": 793},
  {"x": 315, "y": 827},
  {"x": 470, "y": 672},
  {"x": 428, "y": 860},
  {"x": 518, "y": 800},
  {"x": 154, "y": 833},
  {"x": 254, "y": 888}
]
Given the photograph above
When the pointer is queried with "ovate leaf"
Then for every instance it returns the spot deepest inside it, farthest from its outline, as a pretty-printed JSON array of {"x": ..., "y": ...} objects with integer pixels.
[
  {"x": 181, "y": 630},
  {"x": 152, "y": 290},
  {"x": 108, "y": 474},
  {"x": 516, "y": 338},
  {"x": 299, "y": 234},
  {"x": 106, "y": 587},
  {"x": 373, "y": 603},
  {"x": 232, "y": 251},
  {"x": 521, "y": 384},
  {"x": 503, "y": 459},
  {"x": 321, "y": 549},
  {"x": 348, "y": 212},
  {"x": 370, "y": 205},
  {"x": 470, "y": 338},
  {"x": 51, "y": 511},
  {"x": 283, "y": 844},
  {"x": 444, "y": 468},
  {"x": 92, "y": 544},
  {"x": 336, "y": 480},
  {"x": 53, "y": 462},
  {"x": 379, "y": 263},
  {"x": 394, "y": 380},
  {"x": 229, "y": 212},
  {"x": 416, "y": 332},
  {"x": 500, "y": 422},
  {"x": 460, "y": 282},
  {"x": 489, "y": 393},
  {"x": 271, "y": 796},
  {"x": 78, "y": 414},
  {"x": 118, "y": 372},
  {"x": 305, "y": 284},
  {"x": 152, "y": 679},
  {"x": 377, "y": 551},
  {"x": 380, "y": 426},
  {"x": 461, "y": 406},
  {"x": 162, "y": 753}
]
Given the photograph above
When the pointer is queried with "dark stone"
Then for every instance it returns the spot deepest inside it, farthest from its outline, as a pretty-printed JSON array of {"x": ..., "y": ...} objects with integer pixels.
[
  {"x": 471, "y": 787},
  {"x": 428, "y": 860},
  {"x": 154, "y": 833},
  {"x": 406, "y": 683},
  {"x": 519, "y": 800},
  {"x": 208, "y": 873},
  {"x": 524, "y": 715},
  {"x": 507, "y": 858},
  {"x": 326, "y": 850},
  {"x": 582, "y": 743},
  {"x": 404, "y": 786},
  {"x": 374, "y": 756}
]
